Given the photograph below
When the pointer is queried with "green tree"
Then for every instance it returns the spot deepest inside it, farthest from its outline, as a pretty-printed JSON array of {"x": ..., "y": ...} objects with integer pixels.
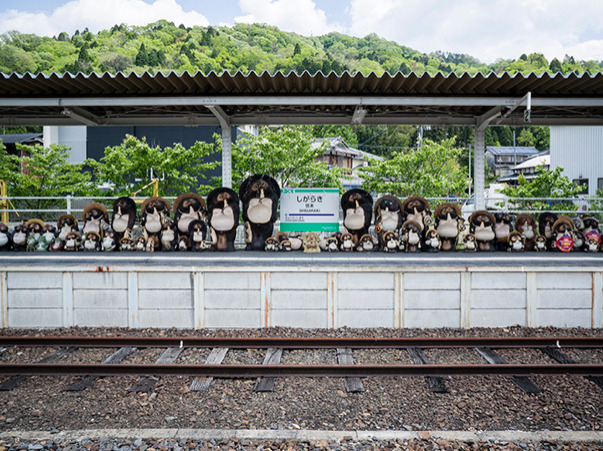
[
  {"x": 133, "y": 164},
  {"x": 546, "y": 184},
  {"x": 288, "y": 154},
  {"x": 526, "y": 138},
  {"x": 142, "y": 56},
  {"x": 432, "y": 170}
]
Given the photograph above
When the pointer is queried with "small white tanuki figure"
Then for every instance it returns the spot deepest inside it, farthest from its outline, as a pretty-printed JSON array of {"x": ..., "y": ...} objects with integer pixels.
[
  {"x": 432, "y": 240},
  {"x": 140, "y": 244},
  {"x": 332, "y": 244},
  {"x": 347, "y": 242},
  {"x": 72, "y": 242},
  {"x": 411, "y": 235},
  {"x": 390, "y": 242},
  {"x": 92, "y": 241},
  {"x": 516, "y": 242},
  {"x": 469, "y": 243},
  {"x": 311, "y": 242},
  {"x": 197, "y": 235},
  {"x": 168, "y": 236},
  {"x": 540, "y": 243},
  {"x": 272, "y": 245},
  {"x": 108, "y": 243}
]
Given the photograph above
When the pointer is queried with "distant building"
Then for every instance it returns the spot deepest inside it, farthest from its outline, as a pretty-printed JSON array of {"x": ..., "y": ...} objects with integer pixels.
[
  {"x": 501, "y": 159},
  {"x": 339, "y": 154},
  {"x": 579, "y": 151},
  {"x": 10, "y": 141},
  {"x": 527, "y": 168}
]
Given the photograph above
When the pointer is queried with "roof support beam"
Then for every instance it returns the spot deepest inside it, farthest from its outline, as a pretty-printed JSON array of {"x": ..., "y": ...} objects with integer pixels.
[
  {"x": 527, "y": 98},
  {"x": 83, "y": 116},
  {"x": 226, "y": 144}
]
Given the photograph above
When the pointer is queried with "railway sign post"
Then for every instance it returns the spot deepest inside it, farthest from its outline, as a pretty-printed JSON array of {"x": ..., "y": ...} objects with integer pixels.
[{"x": 309, "y": 210}]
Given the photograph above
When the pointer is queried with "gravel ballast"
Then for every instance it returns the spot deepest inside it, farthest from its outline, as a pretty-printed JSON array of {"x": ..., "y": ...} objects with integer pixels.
[{"x": 566, "y": 403}]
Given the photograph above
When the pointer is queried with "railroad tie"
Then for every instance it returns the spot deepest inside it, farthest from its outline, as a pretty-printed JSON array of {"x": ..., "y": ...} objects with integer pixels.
[
  {"x": 215, "y": 357},
  {"x": 86, "y": 381},
  {"x": 352, "y": 384},
  {"x": 12, "y": 382},
  {"x": 266, "y": 384},
  {"x": 560, "y": 357},
  {"x": 435, "y": 384},
  {"x": 523, "y": 382},
  {"x": 146, "y": 384}
]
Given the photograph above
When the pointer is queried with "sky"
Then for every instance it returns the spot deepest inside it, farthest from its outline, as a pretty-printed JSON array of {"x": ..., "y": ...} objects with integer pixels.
[{"x": 485, "y": 29}]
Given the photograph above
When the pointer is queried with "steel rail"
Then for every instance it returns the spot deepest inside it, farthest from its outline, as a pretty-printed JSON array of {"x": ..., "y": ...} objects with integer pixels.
[
  {"x": 306, "y": 343},
  {"x": 329, "y": 370}
]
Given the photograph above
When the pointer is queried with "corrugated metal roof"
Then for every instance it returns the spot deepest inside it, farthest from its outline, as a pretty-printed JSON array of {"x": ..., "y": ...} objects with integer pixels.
[
  {"x": 278, "y": 98},
  {"x": 510, "y": 150}
]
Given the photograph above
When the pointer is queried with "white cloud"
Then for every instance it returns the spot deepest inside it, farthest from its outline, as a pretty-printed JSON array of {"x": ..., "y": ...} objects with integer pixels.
[
  {"x": 301, "y": 16},
  {"x": 98, "y": 15},
  {"x": 486, "y": 29}
]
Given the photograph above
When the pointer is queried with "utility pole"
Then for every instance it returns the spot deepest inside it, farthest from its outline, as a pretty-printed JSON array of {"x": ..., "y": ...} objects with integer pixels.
[{"x": 470, "y": 178}]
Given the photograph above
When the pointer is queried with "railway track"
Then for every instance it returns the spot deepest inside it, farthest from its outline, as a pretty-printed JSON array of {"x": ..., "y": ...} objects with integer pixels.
[{"x": 553, "y": 347}]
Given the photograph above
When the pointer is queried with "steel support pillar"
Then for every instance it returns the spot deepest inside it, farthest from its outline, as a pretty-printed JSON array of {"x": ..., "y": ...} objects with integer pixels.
[
  {"x": 479, "y": 168},
  {"x": 226, "y": 145}
]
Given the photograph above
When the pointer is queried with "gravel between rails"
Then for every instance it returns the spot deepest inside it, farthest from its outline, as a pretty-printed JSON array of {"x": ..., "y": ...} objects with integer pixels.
[{"x": 394, "y": 403}]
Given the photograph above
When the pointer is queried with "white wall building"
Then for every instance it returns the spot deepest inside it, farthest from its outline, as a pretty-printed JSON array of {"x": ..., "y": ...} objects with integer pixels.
[
  {"x": 73, "y": 136},
  {"x": 579, "y": 151}
]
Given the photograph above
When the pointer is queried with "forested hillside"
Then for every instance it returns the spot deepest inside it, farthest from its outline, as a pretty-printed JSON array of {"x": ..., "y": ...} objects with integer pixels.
[{"x": 163, "y": 46}]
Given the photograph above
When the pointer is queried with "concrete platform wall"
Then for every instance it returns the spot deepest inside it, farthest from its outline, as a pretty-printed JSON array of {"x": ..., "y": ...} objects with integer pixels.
[{"x": 218, "y": 298}]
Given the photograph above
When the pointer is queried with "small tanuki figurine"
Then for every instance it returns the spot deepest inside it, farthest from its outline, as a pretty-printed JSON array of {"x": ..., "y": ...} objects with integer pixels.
[
  {"x": 540, "y": 243},
  {"x": 284, "y": 241},
  {"x": 140, "y": 244},
  {"x": 66, "y": 224},
  {"x": 124, "y": 217},
  {"x": 357, "y": 206},
  {"x": 92, "y": 241},
  {"x": 259, "y": 195},
  {"x": 48, "y": 237},
  {"x": 448, "y": 224},
  {"x": 502, "y": 230},
  {"x": 168, "y": 236},
  {"x": 347, "y": 242},
  {"x": 223, "y": 218},
  {"x": 592, "y": 244},
  {"x": 6, "y": 238},
  {"x": 272, "y": 245},
  {"x": 390, "y": 242},
  {"x": 108, "y": 244},
  {"x": 20, "y": 235},
  {"x": 526, "y": 225},
  {"x": 126, "y": 244},
  {"x": 95, "y": 219},
  {"x": 184, "y": 243},
  {"x": 155, "y": 211},
  {"x": 332, "y": 244},
  {"x": 311, "y": 240},
  {"x": 296, "y": 242},
  {"x": 36, "y": 228},
  {"x": 388, "y": 217},
  {"x": 579, "y": 240},
  {"x": 516, "y": 242},
  {"x": 481, "y": 225},
  {"x": 562, "y": 234},
  {"x": 188, "y": 207},
  {"x": 470, "y": 243},
  {"x": 545, "y": 226},
  {"x": 411, "y": 235},
  {"x": 432, "y": 241},
  {"x": 73, "y": 242},
  {"x": 197, "y": 235},
  {"x": 416, "y": 209},
  {"x": 366, "y": 244}
]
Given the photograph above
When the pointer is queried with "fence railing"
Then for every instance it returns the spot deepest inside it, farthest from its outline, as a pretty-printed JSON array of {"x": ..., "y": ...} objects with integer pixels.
[{"x": 49, "y": 209}]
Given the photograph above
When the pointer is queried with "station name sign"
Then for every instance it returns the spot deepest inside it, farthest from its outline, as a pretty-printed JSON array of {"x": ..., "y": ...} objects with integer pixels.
[{"x": 309, "y": 210}]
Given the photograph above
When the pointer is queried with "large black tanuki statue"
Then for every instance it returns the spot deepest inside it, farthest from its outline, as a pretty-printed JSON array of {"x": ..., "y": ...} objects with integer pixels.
[
  {"x": 223, "y": 218},
  {"x": 6, "y": 238},
  {"x": 123, "y": 218},
  {"x": 481, "y": 225},
  {"x": 259, "y": 195},
  {"x": 388, "y": 218},
  {"x": 357, "y": 206},
  {"x": 448, "y": 223}
]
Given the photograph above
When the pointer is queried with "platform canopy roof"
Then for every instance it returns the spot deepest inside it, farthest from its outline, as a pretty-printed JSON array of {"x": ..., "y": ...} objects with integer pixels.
[{"x": 238, "y": 99}]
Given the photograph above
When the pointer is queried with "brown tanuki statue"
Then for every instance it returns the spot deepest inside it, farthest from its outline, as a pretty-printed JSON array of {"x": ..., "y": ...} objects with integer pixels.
[
  {"x": 416, "y": 208},
  {"x": 357, "y": 206},
  {"x": 388, "y": 217},
  {"x": 311, "y": 242},
  {"x": 197, "y": 235},
  {"x": 545, "y": 226},
  {"x": 540, "y": 243},
  {"x": 481, "y": 225},
  {"x": 448, "y": 224},
  {"x": 470, "y": 243},
  {"x": 73, "y": 242},
  {"x": 390, "y": 242},
  {"x": 502, "y": 230},
  {"x": 95, "y": 219},
  {"x": 188, "y": 207},
  {"x": 516, "y": 242},
  {"x": 562, "y": 234},
  {"x": 526, "y": 225},
  {"x": 432, "y": 241},
  {"x": 155, "y": 211},
  {"x": 92, "y": 242},
  {"x": 366, "y": 244},
  {"x": 259, "y": 195},
  {"x": 124, "y": 217},
  {"x": 411, "y": 235},
  {"x": 347, "y": 242},
  {"x": 272, "y": 245},
  {"x": 332, "y": 244},
  {"x": 223, "y": 218}
]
